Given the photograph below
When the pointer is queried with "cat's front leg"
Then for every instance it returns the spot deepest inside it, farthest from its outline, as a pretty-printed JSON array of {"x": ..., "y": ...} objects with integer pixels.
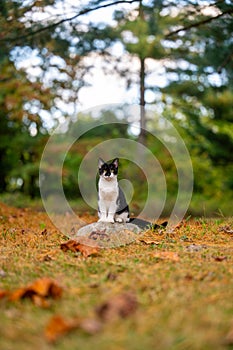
[
  {"x": 102, "y": 212},
  {"x": 111, "y": 212}
]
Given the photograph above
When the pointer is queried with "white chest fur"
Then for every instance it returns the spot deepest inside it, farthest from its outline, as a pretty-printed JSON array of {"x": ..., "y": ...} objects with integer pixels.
[{"x": 108, "y": 190}]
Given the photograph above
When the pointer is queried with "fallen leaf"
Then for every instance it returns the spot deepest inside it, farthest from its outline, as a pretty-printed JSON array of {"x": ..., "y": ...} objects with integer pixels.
[
  {"x": 70, "y": 245},
  {"x": 58, "y": 327},
  {"x": 188, "y": 277},
  {"x": 220, "y": 258},
  {"x": 167, "y": 256},
  {"x": 76, "y": 246},
  {"x": 86, "y": 251},
  {"x": 40, "y": 301},
  {"x": 3, "y": 294},
  {"x": 226, "y": 229},
  {"x": 38, "y": 291},
  {"x": 148, "y": 240},
  {"x": 46, "y": 287},
  {"x": 122, "y": 305}
]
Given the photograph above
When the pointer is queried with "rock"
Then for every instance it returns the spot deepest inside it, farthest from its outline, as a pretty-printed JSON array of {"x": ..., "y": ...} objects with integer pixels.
[{"x": 108, "y": 235}]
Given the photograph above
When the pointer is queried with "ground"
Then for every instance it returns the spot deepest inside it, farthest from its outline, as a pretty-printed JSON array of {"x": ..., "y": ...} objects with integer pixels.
[{"x": 163, "y": 291}]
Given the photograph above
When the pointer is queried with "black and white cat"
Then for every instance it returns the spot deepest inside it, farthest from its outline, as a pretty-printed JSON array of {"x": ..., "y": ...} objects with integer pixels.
[{"x": 112, "y": 205}]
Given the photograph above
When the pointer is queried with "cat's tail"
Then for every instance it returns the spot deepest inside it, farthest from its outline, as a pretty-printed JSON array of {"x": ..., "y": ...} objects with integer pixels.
[{"x": 143, "y": 224}]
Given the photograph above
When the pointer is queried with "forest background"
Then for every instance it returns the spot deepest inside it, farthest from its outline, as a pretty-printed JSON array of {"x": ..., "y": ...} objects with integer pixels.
[{"x": 177, "y": 54}]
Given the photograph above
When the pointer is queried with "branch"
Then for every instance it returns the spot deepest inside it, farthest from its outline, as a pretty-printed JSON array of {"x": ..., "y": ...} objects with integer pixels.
[
  {"x": 54, "y": 25},
  {"x": 198, "y": 24},
  {"x": 225, "y": 62}
]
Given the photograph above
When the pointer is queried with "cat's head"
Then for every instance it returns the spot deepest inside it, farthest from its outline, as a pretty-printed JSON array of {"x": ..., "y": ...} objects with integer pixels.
[{"x": 108, "y": 170}]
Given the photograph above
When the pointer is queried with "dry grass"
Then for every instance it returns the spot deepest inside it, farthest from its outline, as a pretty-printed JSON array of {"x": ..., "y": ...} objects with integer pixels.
[{"x": 183, "y": 283}]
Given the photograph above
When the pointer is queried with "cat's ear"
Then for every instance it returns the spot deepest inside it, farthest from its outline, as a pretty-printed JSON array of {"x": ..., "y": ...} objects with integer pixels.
[
  {"x": 100, "y": 162},
  {"x": 115, "y": 162}
]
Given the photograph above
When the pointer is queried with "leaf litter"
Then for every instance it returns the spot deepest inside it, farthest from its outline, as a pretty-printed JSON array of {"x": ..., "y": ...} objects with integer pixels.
[
  {"x": 38, "y": 292},
  {"x": 77, "y": 246},
  {"x": 118, "y": 306},
  {"x": 58, "y": 326},
  {"x": 143, "y": 285}
]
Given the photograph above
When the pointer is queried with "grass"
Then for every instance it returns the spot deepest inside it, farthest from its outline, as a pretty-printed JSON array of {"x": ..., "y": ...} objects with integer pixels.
[{"x": 183, "y": 304}]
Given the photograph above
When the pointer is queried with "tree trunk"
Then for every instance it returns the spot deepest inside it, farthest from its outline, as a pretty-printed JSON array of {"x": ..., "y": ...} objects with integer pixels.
[{"x": 142, "y": 135}]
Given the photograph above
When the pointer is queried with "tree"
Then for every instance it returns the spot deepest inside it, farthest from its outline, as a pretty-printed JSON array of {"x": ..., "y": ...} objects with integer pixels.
[
  {"x": 190, "y": 41},
  {"x": 197, "y": 58},
  {"x": 21, "y": 102},
  {"x": 204, "y": 79},
  {"x": 141, "y": 36},
  {"x": 25, "y": 98}
]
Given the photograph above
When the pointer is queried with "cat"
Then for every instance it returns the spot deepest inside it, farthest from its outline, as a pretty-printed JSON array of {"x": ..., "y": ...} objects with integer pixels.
[{"x": 112, "y": 205}]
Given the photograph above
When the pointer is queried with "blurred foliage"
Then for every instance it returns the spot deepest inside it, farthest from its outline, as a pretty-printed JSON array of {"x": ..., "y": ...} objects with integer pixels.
[
  {"x": 213, "y": 190},
  {"x": 190, "y": 41}
]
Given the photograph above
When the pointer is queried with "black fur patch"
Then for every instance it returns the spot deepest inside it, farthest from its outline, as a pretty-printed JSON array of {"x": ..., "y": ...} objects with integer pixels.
[
  {"x": 108, "y": 168},
  {"x": 122, "y": 205}
]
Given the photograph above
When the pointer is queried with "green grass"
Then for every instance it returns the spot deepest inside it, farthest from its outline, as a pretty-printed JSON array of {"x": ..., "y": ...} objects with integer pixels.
[{"x": 199, "y": 205}]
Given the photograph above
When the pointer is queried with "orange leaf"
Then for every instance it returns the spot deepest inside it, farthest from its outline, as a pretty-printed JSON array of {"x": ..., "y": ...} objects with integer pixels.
[
  {"x": 58, "y": 327},
  {"x": 19, "y": 294},
  {"x": 41, "y": 288},
  {"x": 3, "y": 293},
  {"x": 220, "y": 258},
  {"x": 86, "y": 250},
  {"x": 76, "y": 246},
  {"x": 40, "y": 301},
  {"x": 70, "y": 245},
  {"x": 46, "y": 287}
]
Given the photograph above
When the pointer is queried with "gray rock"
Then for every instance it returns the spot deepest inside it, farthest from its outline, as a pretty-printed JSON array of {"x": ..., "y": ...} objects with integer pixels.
[{"x": 107, "y": 235}]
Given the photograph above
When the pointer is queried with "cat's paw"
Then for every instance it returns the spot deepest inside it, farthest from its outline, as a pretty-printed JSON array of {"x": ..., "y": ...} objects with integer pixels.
[
  {"x": 106, "y": 220},
  {"x": 111, "y": 220},
  {"x": 120, "y": 220}
]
